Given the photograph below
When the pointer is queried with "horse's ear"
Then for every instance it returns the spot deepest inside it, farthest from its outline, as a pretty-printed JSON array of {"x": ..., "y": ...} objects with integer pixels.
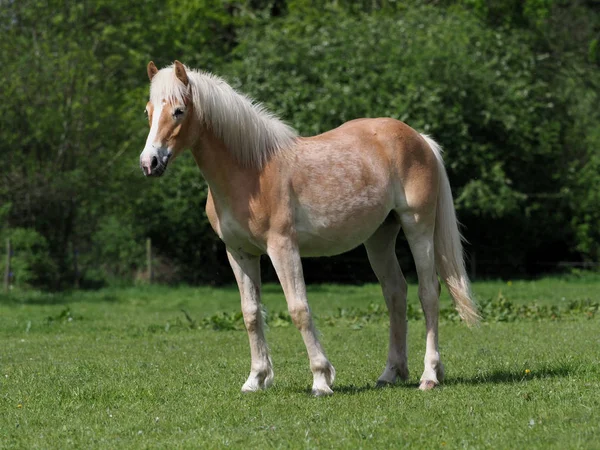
[
  {"x": 152, "y": 70},
  {"x": 180, "y": 73}
]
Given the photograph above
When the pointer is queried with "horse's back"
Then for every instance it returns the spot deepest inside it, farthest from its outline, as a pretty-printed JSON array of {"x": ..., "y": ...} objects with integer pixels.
[
  {"x": 400, "y": 153},
  {"x": 346, "y": 181}
]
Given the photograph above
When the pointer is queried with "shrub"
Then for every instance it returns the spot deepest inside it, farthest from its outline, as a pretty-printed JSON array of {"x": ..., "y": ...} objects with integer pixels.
[{"x": 31, "y": 264}]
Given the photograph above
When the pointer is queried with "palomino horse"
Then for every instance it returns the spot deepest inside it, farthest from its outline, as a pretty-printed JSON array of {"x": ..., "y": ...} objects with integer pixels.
[{"x": 273, "y": 192}]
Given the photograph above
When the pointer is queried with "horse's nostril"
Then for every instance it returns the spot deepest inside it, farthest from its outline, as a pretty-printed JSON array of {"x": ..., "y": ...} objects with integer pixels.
[{"x": 154, "y": 163}]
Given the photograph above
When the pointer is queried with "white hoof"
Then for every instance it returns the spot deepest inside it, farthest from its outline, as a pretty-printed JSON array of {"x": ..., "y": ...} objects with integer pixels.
[
  {"x": 427, "y": 385},
  {"x": 432, "y": 377},
  {"x": 251, "y": 386},
  {"x": 323, "y": 380},
  {"x": 321, "y": 391},
  {"x": 258, "y": 381}
]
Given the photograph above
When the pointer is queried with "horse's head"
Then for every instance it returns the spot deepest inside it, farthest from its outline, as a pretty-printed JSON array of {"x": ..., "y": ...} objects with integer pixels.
[{"x": 169, "y": 111}]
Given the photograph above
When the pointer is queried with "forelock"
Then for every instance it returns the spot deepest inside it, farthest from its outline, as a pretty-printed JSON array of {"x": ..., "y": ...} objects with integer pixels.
[{"x": 166, "y": 86}]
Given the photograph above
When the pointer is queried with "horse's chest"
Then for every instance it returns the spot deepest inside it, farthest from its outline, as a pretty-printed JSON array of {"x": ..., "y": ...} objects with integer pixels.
[
  {"x": 236, "y": 235},
  {"x": 235, "y": 229}
]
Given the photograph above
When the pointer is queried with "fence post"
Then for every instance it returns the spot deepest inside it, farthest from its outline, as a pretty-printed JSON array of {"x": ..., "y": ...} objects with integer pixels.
[
  {"x": 149, "y": 259},
  {"x": 8, "y": 268},
  {"x": 76, "y": 266}
]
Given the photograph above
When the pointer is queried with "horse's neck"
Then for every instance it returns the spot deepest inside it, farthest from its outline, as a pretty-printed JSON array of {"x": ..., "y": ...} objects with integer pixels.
[{"x": 223, "y": 173}]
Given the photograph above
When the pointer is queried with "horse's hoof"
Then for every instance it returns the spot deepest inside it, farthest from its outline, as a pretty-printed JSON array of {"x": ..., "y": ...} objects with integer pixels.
[
  {"x": 392, "y": 374},
  {"x": 322, "y": 381},
  {"x": 322, "y": 391},
  {"x": 246, "y": 388},
  {"x": 258, "y": 381},
  {"x": 427, "y": 385},
  {"x": 383, "y": 384},
  {"x": 251, "y": 386}
]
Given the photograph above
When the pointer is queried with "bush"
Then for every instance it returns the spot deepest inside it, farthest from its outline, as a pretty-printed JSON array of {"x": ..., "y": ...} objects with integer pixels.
[
  {"x": 482, "y": 93},
  {"x": 31, "y": 264},
  {"x": 116, "y": 249}
]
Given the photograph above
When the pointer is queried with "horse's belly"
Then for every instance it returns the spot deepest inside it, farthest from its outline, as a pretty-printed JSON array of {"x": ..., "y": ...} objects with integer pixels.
[
  {"x": 324, "y": 223},
  {"x": 330, "y": 233}
]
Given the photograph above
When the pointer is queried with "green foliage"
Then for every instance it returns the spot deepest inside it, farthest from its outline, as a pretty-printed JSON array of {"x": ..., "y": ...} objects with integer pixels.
[
  {"x": 498, "y": 309},
  {"x": 66, "y": 315},
  {"x": 75, "y": 89},
  {"x": 587, "y": 213},
  {"x": 509, "y": 88},
  {"x": 477, "y": 90},
  {"x": 170, "y": 211},
  {"x": 30, "y": 261},
  {"x": 117, "y": 246}
]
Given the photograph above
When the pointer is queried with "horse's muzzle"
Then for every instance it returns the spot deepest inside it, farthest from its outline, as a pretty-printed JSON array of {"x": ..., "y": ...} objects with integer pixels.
[{"x": 155, "y": 165}]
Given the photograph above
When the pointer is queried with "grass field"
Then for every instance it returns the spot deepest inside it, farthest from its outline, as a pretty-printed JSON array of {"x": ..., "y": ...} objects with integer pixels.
[{"x": 127, "y": 368}]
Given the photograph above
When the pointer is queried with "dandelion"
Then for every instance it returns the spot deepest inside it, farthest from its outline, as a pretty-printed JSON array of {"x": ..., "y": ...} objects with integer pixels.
[
  {"x": 19, "y": 406},
  {"x": 527, "y": 371}
]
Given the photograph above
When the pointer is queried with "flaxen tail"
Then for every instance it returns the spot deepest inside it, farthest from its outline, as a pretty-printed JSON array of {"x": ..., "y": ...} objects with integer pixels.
[{"x": 449, "y": 257}]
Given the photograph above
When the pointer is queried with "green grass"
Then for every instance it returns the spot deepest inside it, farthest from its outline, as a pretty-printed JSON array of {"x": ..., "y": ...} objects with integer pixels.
[{"x": 125, "y": 368}]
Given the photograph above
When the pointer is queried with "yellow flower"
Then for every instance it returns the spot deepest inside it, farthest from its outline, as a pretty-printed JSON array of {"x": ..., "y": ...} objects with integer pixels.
[
  {"x": 509, "y": 283},
  {"x": 19, "y": 406},
  {"x": 527, "y": 371}
]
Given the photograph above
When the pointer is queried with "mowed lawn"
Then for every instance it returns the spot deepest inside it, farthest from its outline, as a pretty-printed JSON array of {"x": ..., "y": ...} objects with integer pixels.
[{"x": 126, "y": 368}]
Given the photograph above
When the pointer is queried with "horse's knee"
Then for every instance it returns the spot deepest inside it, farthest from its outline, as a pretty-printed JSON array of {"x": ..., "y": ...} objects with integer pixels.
[
  {"x": 402, "y": 286},
  {"x": 429, "y": 292},
  {"x": 252, "y": 316},
  {"x": 395, "y": 287},
  {"x": 300, "y": 315}
]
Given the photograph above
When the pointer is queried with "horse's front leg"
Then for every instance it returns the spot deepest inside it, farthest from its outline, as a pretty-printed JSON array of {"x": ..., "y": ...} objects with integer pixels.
[
  {"x": 285, "y": 256},
  {"x": 247, "y": 273}
]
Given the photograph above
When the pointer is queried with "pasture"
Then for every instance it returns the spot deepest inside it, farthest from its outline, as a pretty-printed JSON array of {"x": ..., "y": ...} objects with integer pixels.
[{"x": 160, "y": 367}]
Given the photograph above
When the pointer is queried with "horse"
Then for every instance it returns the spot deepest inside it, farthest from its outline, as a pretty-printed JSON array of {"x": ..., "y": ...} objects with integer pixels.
[{"x": 276, "y": 193}]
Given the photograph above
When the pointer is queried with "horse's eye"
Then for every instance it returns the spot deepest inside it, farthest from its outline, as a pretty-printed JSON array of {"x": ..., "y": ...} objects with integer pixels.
[{"x": 177, "y": 113}]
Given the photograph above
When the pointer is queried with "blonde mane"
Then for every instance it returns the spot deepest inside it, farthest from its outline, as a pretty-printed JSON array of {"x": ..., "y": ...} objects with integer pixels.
[{"x": 250, "y": 132}]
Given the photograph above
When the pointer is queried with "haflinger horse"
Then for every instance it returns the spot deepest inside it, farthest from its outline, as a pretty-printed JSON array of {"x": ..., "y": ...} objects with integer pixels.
[{"x": 272, "y": 191}]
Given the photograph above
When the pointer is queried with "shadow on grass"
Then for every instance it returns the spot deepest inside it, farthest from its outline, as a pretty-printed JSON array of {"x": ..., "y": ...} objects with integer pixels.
[
  {"x": 349, "y": 389},
  {"x": 352, "y": 389},
  {"x": 501, "y": 376}
]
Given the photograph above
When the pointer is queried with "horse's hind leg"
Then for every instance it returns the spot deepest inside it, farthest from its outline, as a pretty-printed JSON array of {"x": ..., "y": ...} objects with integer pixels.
[
  {"x": 285, "y": 257},
  {"x": 247, "y": 274},
  {"x": 382, "y": 256},
  {"x": 419, "y": 231}
]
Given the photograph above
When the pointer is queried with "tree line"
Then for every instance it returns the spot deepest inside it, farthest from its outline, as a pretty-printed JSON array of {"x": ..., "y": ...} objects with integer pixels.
[{"x": 509, "y": 88}]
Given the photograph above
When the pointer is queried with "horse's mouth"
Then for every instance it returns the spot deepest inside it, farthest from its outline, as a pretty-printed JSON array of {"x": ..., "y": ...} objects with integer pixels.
[{"x": 158, "y": 172}]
